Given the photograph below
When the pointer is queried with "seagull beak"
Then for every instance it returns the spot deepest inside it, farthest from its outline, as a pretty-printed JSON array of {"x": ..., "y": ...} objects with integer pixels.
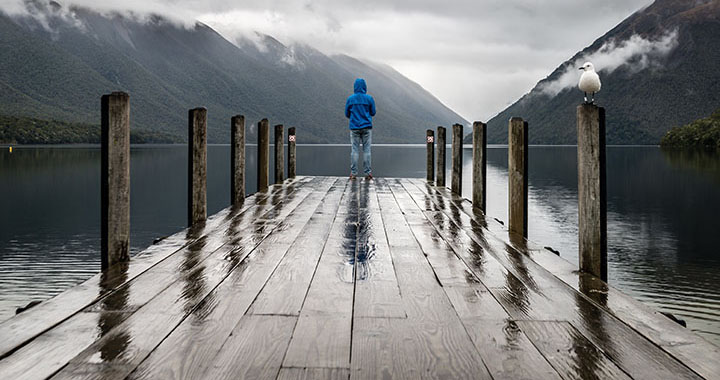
[{"x": 582, "y": 68}]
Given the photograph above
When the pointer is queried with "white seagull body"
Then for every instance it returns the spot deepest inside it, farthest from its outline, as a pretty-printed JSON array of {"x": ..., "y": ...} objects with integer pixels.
[{"x": 589, "y": 81}]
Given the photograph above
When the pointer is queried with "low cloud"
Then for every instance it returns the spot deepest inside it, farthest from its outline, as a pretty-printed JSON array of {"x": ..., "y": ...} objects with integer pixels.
[
  {"x": 635, "y": 54},
  {"x": 472, "y": 55}
]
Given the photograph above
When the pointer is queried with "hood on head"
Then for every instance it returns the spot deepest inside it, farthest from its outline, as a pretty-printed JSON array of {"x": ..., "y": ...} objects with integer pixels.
[{"x": 360, "y": 86}]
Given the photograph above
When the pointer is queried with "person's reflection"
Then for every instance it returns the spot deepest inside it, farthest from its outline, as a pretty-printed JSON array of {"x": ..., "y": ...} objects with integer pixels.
[
  {"x": 113, "y": 310},
  {"x": 365, "y": 245},
  {"x": 350, "y": 235}
]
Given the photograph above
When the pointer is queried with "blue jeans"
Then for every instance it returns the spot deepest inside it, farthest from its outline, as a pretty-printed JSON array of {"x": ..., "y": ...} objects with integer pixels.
[{"x": 358, "y": 136}]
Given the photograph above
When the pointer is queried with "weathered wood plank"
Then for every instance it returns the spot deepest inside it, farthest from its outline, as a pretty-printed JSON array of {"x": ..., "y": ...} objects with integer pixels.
[
  {"x": 407, "y": 349},
  {"x": 313, "y": 374},
  {"x": 320, "y": 340},
  {"x": 569, "y": 352},
  {"x": 285, "y": 292},
  {"x": 254, "y": 350},
  {"x": 48, "y": 314},
  {"x": 507, "y": 352},
  {"x": 376, "y": 289},
  {"x": 534, "y": 293},
  {"x": 326, "y": 316},
  {"x": 200, "y": 337},
  {"x": 152, "y": 323}
]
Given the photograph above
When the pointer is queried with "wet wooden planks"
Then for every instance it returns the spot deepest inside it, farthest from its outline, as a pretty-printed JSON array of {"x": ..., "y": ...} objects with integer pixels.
[{"x": 325, "y": 278}]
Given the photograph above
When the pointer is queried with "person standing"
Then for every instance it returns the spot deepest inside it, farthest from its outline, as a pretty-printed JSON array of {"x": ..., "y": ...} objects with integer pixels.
[{"x": 360, "y": 108}]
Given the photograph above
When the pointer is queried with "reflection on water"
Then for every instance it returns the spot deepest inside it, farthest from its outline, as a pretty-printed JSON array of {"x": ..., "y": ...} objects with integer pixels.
[{"x": 661, "y": 213}]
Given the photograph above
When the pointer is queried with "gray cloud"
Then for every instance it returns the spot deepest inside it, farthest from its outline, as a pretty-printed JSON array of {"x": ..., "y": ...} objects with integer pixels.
[
  {"x": 636, "y": 52},
  {"x": 475, "y": 56}
]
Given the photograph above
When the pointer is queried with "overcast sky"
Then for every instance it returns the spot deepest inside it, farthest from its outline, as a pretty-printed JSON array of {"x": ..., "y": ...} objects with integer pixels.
[{"x": 476, "y": 56}]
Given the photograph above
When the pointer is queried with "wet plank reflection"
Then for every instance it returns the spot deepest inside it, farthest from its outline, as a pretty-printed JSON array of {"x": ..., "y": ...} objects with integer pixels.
[{"x": 326, "y": 277}]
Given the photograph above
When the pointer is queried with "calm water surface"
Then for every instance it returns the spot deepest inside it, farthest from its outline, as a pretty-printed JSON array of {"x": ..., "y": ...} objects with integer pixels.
[{"x": 662, "y": 211}]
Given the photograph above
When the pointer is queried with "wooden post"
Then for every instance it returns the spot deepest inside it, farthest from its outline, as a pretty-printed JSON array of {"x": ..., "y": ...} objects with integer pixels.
[
  {"x": 197, "y": 165},
  {"x": 279, "y": 154},
  {"x": 115, "y": 179},
  {"x": 430, "y": 140},
  {"x": 457, "y": 154},
  {"x": 479, "y": 195},
  {"x": 592, "y": 193},
  {"x": 440, "y": 167},
  {"x": 292, "y": 164},
  {"x": 263, "y": 151},
  {"x": 237, "y": 160},
  {"x": 517, "y": 176}
]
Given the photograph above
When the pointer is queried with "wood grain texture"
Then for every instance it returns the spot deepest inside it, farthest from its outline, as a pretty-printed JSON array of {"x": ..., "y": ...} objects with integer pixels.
[
  {"x": 440, "y": 167},
  {"x": 115, "y": 179},
  {"x": 313, "y": 374},
  {"x": 254, "y": 350},
  {"x": 200, "y": 337},
  {"x": 330, "y": 278},
  {"x": 279, "y": 153},
  {"x": 533, "y": 293},
  {"x": 592, "y": 193},
  {"x": 292, "y": 153},
  {"x": 320, "y": 340},
  {"x": 430, "y": 159},
  {"x": 479, "y": 166},
  {"x": 457, "y": 158},
  {"x": 237, "y": 160},
  {"x": 573, "y": 356},
  {"x": 517, "y": 176},
  {"x": 407, "y": 349},
  {"x": 197, "y": 166},
  {"x": 263, "y": 151}
]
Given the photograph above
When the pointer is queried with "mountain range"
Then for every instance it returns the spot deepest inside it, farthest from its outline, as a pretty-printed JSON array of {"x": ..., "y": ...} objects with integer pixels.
[
  {"x": 672, "y": 80},
  {"x": 57, "y": 62}
]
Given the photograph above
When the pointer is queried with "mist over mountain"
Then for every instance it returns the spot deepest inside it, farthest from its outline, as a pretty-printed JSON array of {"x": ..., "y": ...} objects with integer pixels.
[
  {"x": 57, "y": 62},
  {"x": 659, "y": 69}
]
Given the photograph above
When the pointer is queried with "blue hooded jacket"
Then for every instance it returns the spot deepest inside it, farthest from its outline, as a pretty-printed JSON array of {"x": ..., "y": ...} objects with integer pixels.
[{"x": 360, "y": 107}]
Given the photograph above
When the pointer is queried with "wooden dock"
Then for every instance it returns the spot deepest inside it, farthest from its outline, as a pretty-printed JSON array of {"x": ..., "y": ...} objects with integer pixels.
[{"x": 328, "y": 278}]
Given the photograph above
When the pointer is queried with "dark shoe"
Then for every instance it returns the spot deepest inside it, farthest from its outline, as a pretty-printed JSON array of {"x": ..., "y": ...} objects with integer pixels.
[
  {"x": 369, "y": 176},
  {"x": 352, "y": 176}
]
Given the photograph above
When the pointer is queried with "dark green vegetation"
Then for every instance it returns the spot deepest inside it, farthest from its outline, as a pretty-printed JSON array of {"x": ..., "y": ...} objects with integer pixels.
[
  {"x": 641, "y": 105},
  {"x": 702, "y": 133},
  {"x": 60, "y": 72},
  {"x": 25, "y": 130}
]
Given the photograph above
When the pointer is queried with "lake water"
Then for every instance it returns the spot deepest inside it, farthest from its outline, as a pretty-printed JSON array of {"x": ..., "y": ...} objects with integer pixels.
[{"x": 662, "y": 211}]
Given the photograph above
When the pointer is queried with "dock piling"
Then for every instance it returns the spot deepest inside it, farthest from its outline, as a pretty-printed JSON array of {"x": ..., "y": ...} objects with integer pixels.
[
  {"x": 517, "y": 176},
  {"x": 237, "y": 160},
  {"x": 457, "y": 156},
  {"x": 197, "y": 165},
  {"x": 292, "y": 158},
  {"x": 263, "y": 151},
  {"x": 479, "y": 195},
  {"x": 440, "y": 167},
  {"x": 430, "y": 140},
  {"x": 592, "y": 190},
  {"x": 115, "y": 179},
  {"x": 279, "y": 154}
]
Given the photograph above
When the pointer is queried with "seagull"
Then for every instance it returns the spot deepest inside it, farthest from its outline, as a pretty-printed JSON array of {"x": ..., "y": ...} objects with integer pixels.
[{"x": 589, "y": 81}]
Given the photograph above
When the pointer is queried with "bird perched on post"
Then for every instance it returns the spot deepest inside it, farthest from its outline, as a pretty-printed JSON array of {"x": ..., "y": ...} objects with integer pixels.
[{"x": 589, "y": 81}]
